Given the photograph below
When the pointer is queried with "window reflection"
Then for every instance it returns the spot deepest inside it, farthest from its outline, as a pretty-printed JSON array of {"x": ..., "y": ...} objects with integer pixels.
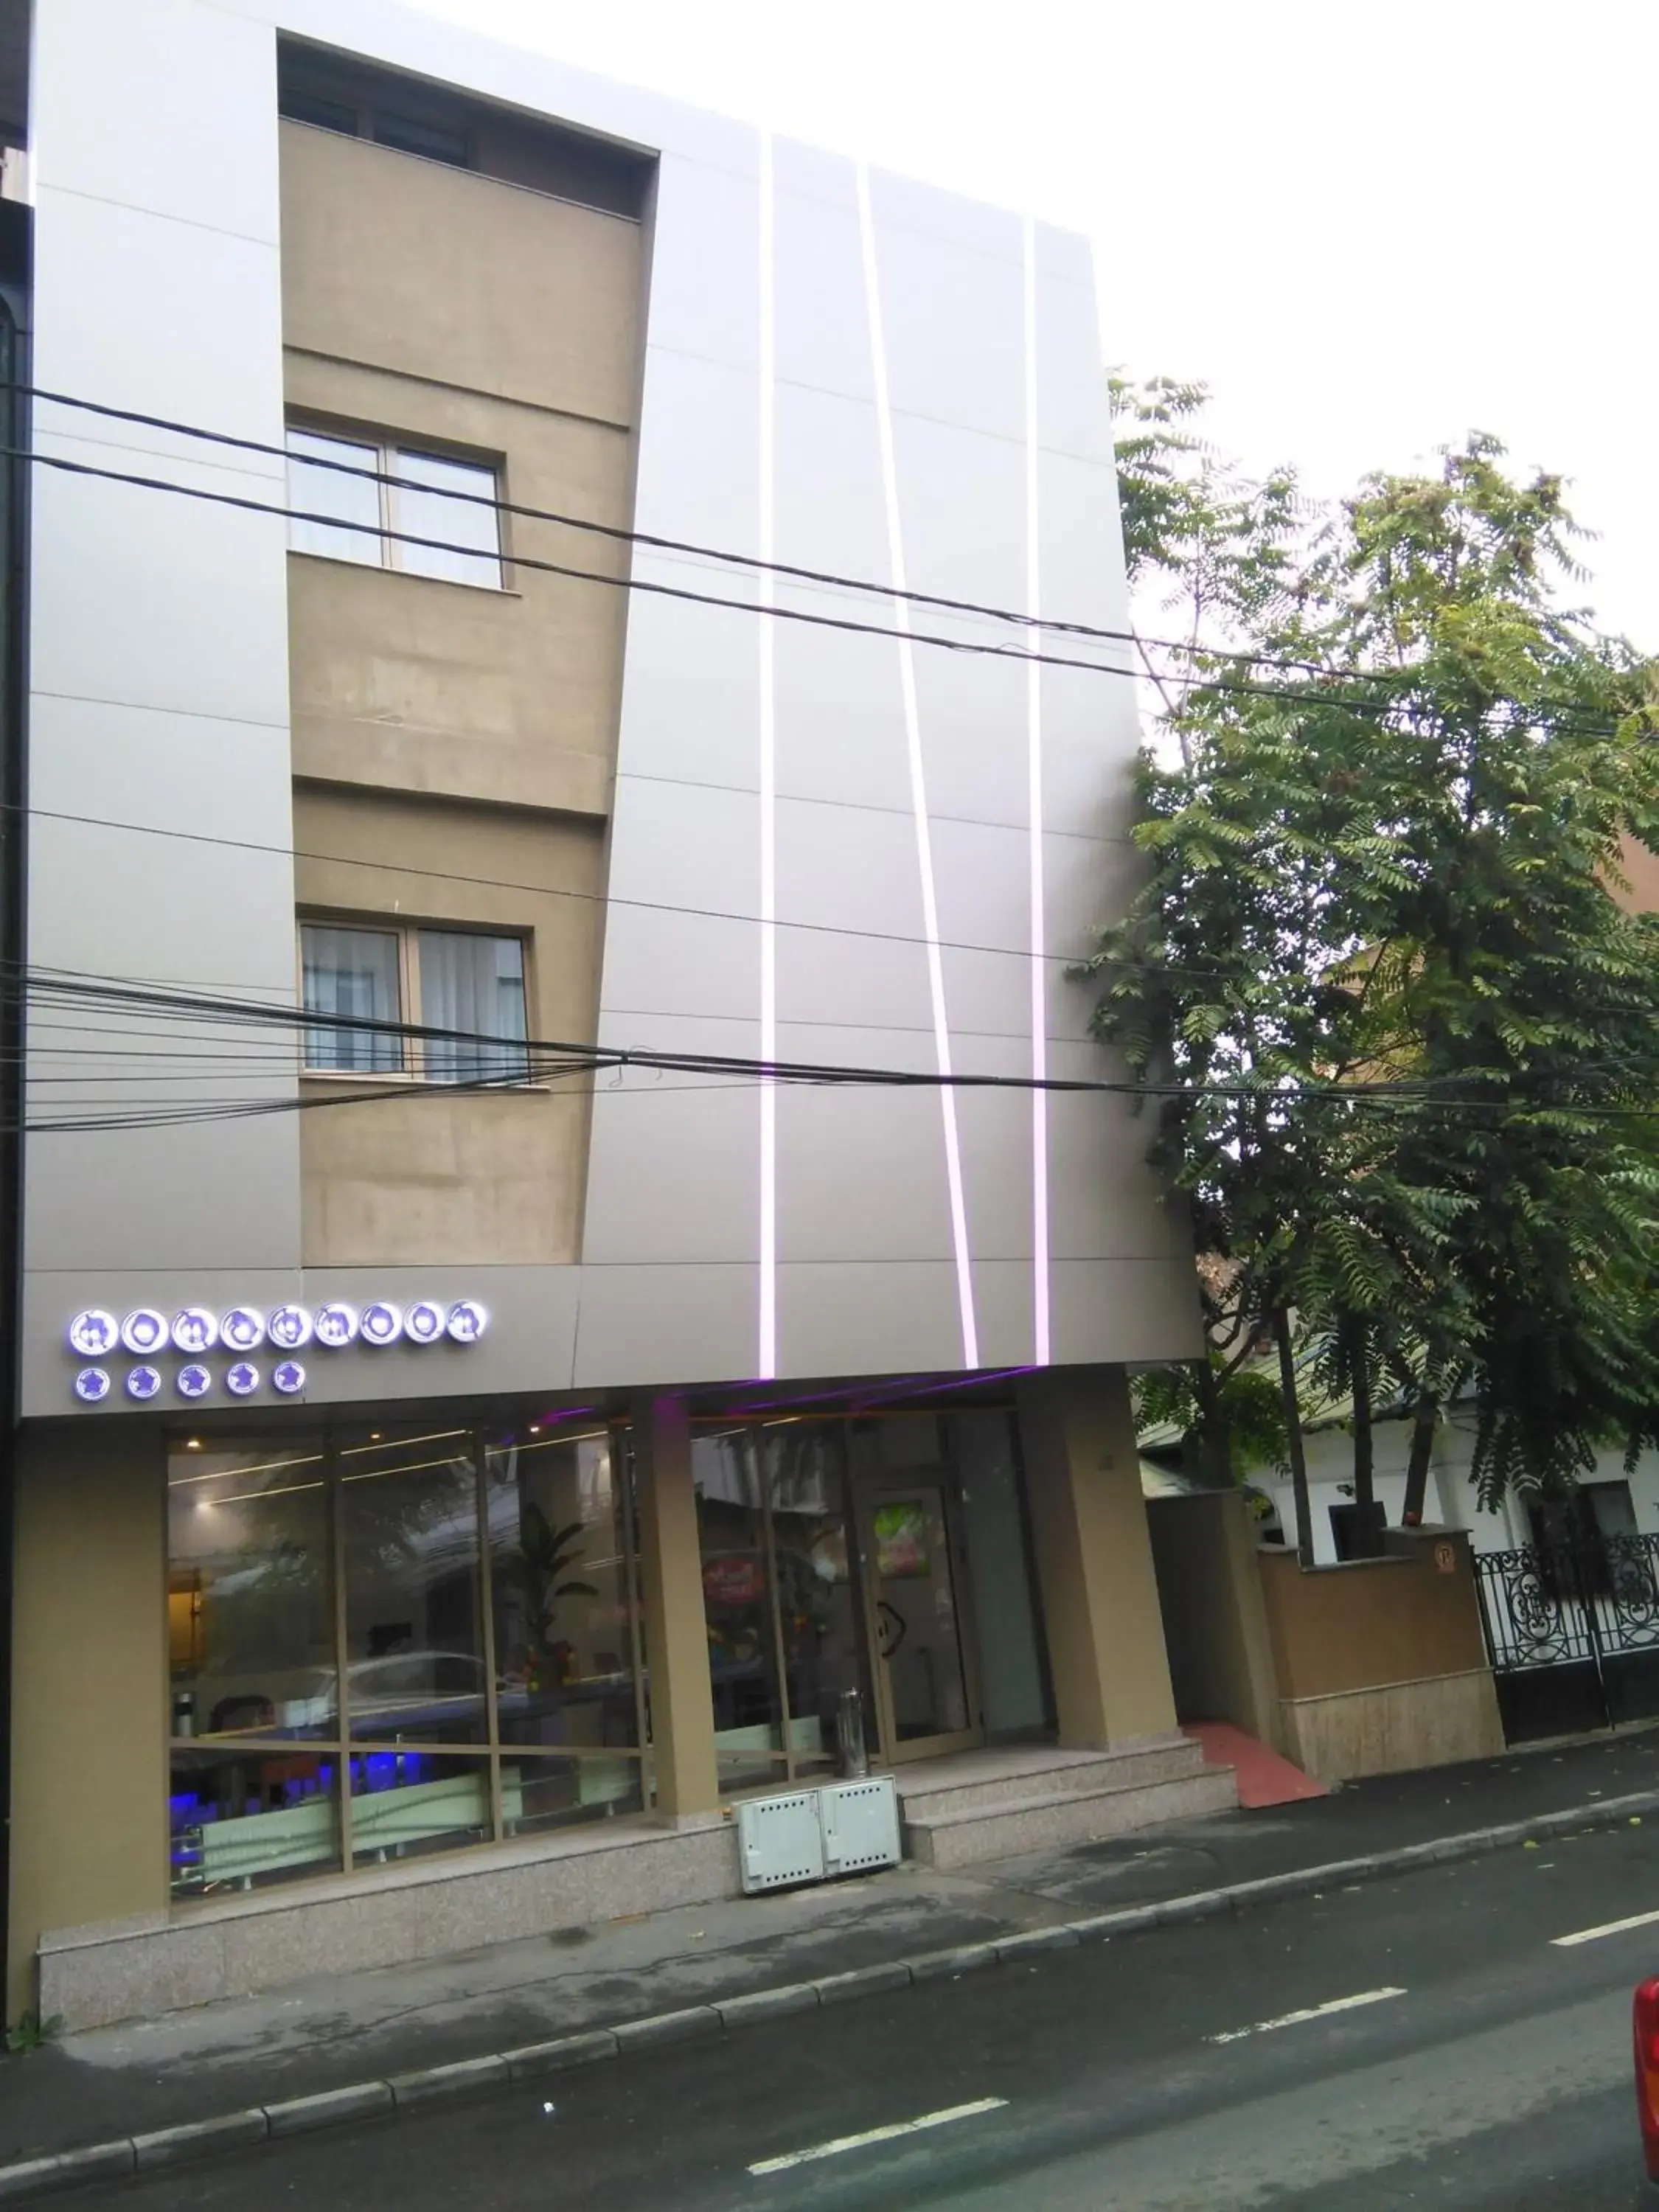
[
  {"x": 736, "y": 1597},
  {"x": 562, "y": 1591},
  {"x": 409, "y": 1519},
  {"x": 251, "y": 1646},
  {"x": 399, "y": 1711},
  {"x": 779, "y": 1601},
  {"x": 819, "y": 1622},
  {"x": 250, "y": 1595},
  {"x": 241, "y": 1816}
]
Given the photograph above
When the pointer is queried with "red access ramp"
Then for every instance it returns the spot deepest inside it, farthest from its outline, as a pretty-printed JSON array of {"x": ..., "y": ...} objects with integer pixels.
[{"x": 1264, "y": 1778}]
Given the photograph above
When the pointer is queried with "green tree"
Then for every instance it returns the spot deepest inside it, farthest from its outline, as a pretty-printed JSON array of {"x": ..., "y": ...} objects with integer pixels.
[{"x": 1403, "y": 1043}]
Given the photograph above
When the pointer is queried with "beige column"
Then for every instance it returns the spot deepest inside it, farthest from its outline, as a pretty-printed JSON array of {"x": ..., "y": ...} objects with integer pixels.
[
  {"x": 1094, "y": 1557},
  {"x": 675, "y": 1636},
  {"x": 90, "y": 1687}
]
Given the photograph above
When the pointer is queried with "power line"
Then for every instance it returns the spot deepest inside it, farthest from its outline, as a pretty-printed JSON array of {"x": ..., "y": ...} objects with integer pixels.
[
  {"x": 1276, "y": 695},
  {"x": 556, "y": 1060},
  {"x": 1018, "y": 617},
  {"x": 1080, "y": 960},
  {"x": 618, "y": 533}
]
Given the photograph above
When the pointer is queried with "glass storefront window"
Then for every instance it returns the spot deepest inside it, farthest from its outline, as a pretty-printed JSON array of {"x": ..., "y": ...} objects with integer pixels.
[
  {"x": 1016, "y": 1701},
  {"x": 414, "y": 1632},
  {"x": 243, "y": 1814},
  {"x": 411, "y": 1799},
  {"x": 818, "y": 1619},
  {"x": 739, "y": 1608},
  {"x": 391, "y": 1643},
  {"x": 387, "y": 1643},
  {"x": 250, "y": 1595},
  {"x": 565, "y": 1626},
  {"x": 785, "y": 1638}
]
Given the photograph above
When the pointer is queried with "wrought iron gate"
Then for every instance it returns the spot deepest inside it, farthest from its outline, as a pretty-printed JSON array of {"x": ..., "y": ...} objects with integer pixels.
[{"x": 1572, "y": 1632}]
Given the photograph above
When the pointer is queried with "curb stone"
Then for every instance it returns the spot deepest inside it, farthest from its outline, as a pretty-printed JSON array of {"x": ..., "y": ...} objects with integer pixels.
[
  {"x": 659, "y": 2027},
  {"x": 463, "y": 2077},
  {"x": 358, "y": 2101},
  {"x": 97, "y": 2162},
  {"x": 424, "y": 2086},
  {"x": 534, "y": 2059},
  {"x": 166, "y": 2146},
  {"x": 864, "y": 1981},
  {"x": 1060, "y": 1937},
  {"x": 767, "y": 2004}
]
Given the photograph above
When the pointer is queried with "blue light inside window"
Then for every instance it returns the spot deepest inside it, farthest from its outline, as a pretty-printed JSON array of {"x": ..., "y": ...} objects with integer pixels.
[{"x": 389, "y": 1770}]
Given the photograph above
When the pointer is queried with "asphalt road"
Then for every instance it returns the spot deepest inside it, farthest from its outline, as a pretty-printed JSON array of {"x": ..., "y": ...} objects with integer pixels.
[{"x": 1487, "y": 2069}]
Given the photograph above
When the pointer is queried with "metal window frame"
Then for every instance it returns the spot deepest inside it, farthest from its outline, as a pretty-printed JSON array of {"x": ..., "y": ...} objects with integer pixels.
[
  {"x": 342, "y": 1749},
  {"x": 406, "y": 931},
  {"x": 408, "y": 988},
  {"x": 387, "y": 447}
]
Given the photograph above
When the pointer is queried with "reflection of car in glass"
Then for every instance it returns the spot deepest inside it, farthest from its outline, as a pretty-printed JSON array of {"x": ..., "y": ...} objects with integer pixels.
[{"x": 442, "y": 1692}]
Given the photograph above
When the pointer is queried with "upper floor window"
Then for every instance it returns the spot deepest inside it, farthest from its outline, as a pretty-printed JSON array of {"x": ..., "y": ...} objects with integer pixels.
[
  {"x": 410, "y": 135},
  {"x": 349, "y": 108},
  {"x": 441, "y": 979},
  {"x": 441, "y": 123},
  {"x": 373, "y": 522}
]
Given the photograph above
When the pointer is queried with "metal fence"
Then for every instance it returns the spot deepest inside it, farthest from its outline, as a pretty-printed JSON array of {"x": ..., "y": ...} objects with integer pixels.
[{"x": 1572, "y": 1632}]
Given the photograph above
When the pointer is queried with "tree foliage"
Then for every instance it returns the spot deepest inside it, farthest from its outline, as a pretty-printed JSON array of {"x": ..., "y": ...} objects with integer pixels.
[{"x": 1403, "y": 1040}]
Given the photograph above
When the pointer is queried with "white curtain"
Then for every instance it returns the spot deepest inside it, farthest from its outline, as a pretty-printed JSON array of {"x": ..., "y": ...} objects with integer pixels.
[
  {"x": 314, "y": 490},
  {"x": 476, "y": 984},
  {"x": 351, "y": 971},
  {"x": 434, "y": 513}
]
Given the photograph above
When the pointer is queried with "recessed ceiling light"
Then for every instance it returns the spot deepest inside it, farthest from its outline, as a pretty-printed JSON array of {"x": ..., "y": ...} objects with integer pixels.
[{"x": 193, "y": 1443}]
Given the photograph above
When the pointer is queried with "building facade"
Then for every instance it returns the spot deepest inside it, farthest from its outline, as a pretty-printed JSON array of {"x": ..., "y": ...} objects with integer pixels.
[{"x": 448, "y": 1474}]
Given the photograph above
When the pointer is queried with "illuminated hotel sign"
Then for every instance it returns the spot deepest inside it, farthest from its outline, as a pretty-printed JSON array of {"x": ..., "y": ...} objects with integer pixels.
[{"x": 146, "y": 1334}]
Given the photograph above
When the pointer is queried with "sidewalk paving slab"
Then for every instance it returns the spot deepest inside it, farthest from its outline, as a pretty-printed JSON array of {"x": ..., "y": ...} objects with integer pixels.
[{"x": 329, "y": 2046}]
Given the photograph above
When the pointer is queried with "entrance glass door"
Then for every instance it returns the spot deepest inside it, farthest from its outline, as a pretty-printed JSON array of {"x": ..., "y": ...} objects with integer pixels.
[{"x": 925, "y": 1693}]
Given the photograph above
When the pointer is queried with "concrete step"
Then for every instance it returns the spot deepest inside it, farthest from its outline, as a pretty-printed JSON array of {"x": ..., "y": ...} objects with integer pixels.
[
  {"x": 1056, "y": 1819},
  {"x": 981, "y": 1783}
]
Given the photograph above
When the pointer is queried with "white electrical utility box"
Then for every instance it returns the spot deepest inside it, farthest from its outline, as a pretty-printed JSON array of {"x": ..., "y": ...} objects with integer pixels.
[
  {"x": 780, "y": 1840},
  {"x": 841, "y": 1828},
  {"x": 860, "y": 1824}
]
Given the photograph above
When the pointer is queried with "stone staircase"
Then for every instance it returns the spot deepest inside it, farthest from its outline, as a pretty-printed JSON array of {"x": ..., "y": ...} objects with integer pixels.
[{"x": 994, "y": 1804}]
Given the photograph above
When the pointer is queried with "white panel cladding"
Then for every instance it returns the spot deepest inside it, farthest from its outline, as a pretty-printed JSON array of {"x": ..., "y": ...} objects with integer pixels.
[
  {"x": 919, "y": 832},
  {"x": 158, "y": 623}
]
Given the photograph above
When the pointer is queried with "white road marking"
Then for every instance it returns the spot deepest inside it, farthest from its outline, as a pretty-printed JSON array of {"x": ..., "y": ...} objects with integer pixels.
[
  {"x": 1608, "y": 1928},
  {"x": 1313, "y": 2012},
  {"x": 877, "y": 2135}
]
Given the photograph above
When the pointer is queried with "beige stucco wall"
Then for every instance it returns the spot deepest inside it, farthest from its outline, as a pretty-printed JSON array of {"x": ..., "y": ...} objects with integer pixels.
[
  {"x": 443, "y": 730},
  {"x": 1215, "y": 1621},
  {"x": 1094, "y": 1557},
  {"x": 1372, "y": 1621},
  {"x": 1641, "y": 872},
  {"x": 1380, "y": 1663},
  {"x": 90, "y": 1684},
  {"x": 439, "y": 272},
  {"x": 451, "y": 309},
  {"x": 425, "y": 1175}
]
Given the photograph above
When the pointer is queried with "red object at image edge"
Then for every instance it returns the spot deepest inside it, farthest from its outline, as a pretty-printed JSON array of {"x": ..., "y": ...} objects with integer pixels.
[{"x": 1646, "y": 2022}]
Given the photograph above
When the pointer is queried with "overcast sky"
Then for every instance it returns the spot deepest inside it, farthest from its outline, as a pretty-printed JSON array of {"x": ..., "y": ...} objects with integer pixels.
[{"x": 1370, "y": 228}]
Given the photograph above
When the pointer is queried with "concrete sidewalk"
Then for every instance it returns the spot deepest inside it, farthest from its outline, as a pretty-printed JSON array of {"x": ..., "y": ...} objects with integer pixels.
[{"x": 329, "y": 2031}]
